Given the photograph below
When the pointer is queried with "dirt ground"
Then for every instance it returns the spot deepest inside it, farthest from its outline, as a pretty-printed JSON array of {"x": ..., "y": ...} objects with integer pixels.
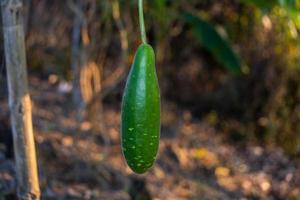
[{"x": 195, "y": 161}]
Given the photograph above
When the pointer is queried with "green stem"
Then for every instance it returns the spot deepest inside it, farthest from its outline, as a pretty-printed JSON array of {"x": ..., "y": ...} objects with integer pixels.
[{"x": 142, "y": 22}]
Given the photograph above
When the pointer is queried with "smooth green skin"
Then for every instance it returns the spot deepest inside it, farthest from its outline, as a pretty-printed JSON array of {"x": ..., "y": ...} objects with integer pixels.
[{"x": 141, "y": 112}]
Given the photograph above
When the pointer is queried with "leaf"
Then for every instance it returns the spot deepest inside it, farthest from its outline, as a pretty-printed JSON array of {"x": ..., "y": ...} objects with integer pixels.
[
  {"x": 211, "y": 40},
  {"x": 222, "y": 172}
]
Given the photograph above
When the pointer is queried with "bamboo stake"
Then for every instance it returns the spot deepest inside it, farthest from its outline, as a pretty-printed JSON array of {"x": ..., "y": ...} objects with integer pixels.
[{"x": 19, "y": 100}]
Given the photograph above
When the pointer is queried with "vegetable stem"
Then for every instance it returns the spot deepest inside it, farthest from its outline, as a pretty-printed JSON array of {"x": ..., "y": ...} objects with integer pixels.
[{"x": 142, "y": 22}]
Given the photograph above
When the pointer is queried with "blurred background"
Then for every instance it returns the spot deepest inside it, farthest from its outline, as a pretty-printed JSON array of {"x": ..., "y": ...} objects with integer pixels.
[{"x": 229, "y": 74}]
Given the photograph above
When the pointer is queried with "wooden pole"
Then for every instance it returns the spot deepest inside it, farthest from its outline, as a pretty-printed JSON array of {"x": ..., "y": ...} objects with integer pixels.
[
  {"x": 19, "y": 100},
  {"x": 78, "y": 53}
]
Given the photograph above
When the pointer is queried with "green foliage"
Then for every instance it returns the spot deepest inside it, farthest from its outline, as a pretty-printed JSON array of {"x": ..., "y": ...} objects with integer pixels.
[
  {"x": 210, "y": 39},
  {"x": 262, "y": 4},
  {"x": 290, "y": 7}
]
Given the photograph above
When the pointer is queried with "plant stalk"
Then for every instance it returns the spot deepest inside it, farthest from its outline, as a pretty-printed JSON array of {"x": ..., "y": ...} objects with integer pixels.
[{"x": 142, "y": 22}]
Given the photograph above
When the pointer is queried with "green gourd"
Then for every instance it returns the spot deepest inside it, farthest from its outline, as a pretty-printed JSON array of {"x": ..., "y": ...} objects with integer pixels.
[{"x": 140, "y": 125}]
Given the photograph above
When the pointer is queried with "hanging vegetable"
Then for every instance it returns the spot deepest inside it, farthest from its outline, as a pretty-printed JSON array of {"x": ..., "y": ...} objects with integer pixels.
[{"x": 140, "y": 124}]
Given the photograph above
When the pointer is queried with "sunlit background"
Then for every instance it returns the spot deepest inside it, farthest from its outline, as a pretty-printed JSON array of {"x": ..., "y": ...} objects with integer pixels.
[{"x": 229, "y": 74}]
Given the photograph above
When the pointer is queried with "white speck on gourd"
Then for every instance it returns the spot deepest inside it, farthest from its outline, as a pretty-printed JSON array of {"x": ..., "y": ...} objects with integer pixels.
[{"x": 148, "y": 164}]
